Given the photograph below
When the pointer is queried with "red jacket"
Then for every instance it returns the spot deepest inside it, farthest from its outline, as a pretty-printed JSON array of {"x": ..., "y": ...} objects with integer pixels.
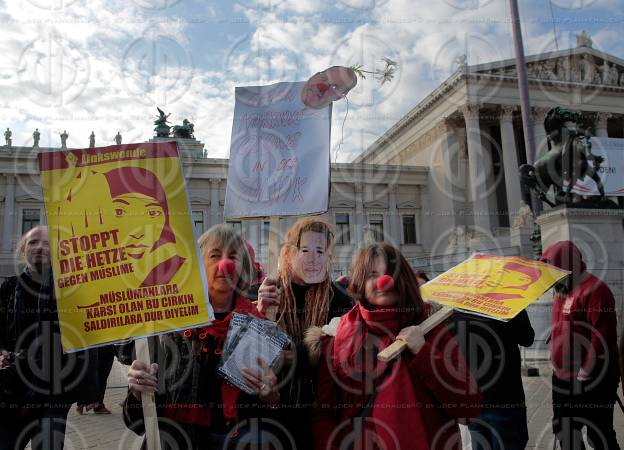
[
  {"x": 417, "y": 406},
  {"x": 583, "y": 320}
]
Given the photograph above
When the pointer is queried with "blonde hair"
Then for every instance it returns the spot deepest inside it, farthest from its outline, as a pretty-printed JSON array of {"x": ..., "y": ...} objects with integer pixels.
[
  {"x": 224, "y": 236},
  {"x": 318, "y": 296}
]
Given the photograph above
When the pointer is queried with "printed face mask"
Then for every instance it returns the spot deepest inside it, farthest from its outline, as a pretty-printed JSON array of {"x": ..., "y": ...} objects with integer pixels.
[{"x": 310, "y": 264}]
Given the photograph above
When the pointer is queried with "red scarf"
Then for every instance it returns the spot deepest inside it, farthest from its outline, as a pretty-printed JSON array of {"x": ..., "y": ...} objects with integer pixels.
[
  {"x": 229, "y": 393},
  {"x": 361, "y": 334}
]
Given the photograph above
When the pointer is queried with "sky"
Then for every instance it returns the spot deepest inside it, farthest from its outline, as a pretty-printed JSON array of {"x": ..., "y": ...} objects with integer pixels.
[{"x": 104, "y": 65}]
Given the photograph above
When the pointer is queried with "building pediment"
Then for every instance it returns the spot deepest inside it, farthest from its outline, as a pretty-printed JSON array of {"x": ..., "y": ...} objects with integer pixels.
[
  {"x": 375, "y": 204},
  {"x": 28, "y": 199},
  {"x": 198, "y": 200},
  {"x": 583, "y": 65},
  {"x": 343, "y": 204},
  {"x": 407, "y": 205}
]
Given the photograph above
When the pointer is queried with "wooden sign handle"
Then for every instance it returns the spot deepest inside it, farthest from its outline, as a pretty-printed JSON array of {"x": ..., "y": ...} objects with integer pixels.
[
  {"x": 150, "y": 418},
  {"x": 395, "y": 349},
  {"x": 274, "y": 239}
]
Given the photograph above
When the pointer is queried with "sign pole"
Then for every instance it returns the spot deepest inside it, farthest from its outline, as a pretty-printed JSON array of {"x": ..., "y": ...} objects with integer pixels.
[
  {"x": 150, "y": 418},
  {"x": 274, "y": 248}
]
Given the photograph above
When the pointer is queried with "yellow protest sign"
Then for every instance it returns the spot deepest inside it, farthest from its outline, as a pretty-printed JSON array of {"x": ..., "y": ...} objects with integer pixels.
[
  {"x": 496, "y": 286},
  {"x": 124, "y": 256}
]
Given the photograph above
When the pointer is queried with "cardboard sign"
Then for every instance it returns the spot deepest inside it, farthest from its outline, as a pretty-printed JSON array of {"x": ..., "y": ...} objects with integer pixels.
[
  {"x": 124, "y": 257},
  {"x": 495, "y": 286},
  {"x": 279, "y": 154},
  {"x": 611, "y": 170}
]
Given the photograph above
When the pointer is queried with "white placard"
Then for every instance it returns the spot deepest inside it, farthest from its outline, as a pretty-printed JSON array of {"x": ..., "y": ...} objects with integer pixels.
[
  {"x": 279, "y": 154},
  {"x": 611, "y": 170}
]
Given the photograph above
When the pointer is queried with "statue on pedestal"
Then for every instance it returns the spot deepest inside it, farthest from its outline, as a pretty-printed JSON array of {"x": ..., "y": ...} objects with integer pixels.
[
  {"x": 118, "y": 138},
  {"x": 36, "y": 137},
  {"x": 64, "y": 137},
  {"x": 184, "y": 131},
  {"x": 566, "y": 162},
  {"x": 7, "y": 137},
  {"x": 162, "y": 128},
  {"x": 92, "y": 140}
]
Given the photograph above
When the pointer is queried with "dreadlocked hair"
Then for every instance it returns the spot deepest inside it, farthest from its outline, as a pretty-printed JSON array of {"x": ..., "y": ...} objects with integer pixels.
[{"x": 318, "y": 296}]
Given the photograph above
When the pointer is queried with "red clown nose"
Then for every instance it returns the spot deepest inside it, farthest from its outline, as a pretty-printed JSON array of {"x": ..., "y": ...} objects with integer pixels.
[
  {"x": 322, "y": 87},
  {"x": 226, "y": 266},
  {"x": 385, "y": 283}
]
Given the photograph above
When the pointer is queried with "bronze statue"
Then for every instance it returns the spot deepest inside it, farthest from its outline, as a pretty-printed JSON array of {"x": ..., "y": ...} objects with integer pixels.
[
  {"x": 36, "y": 137},
  {"x": 566, "y": 162},
  {"x": 162, "y": 128},
  {"x": 184, "y": 131}
]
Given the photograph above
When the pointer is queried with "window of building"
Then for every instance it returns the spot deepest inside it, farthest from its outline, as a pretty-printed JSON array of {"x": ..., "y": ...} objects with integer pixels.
[
  {"x": 375, "y": 227},
  {"x": 342, "y": 229},
  {"x": 198, "y": 221},
  {"x": 266, "y": 226},
  {"x": 409, "y": 229},
  {"x": 31, "y": 217},
  {"x": 237, "y": 225}
]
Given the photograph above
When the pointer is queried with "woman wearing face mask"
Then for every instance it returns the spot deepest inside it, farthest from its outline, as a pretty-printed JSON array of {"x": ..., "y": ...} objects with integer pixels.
[
  {"x": 197, "y": 408},
  {"x": 412, "y": 402},
  {"x": 305, "y": 297}
]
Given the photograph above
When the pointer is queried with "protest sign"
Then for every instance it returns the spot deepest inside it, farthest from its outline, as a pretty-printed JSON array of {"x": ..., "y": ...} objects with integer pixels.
[
  {"x": 279, "y": 154},
  {"x": 498, "y": 287},
  {"x": 610, "y": 171},
  {"x": 124, "y": 256},
  {"x": 495, "y": 286}
]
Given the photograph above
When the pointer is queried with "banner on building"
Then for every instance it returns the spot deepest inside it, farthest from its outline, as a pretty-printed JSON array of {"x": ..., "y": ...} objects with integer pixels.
[
  {"x": 279, "y": 154},
  {"x": 495, "y": 286},
  {"x": 611, "y": 171},
  {"x": 124, "y": 257}
]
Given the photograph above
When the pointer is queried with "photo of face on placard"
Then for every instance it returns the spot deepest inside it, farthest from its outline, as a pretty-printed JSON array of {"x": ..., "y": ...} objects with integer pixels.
[
  {"x": 327, "y": 86},
  {"x": 309, "y": 266}
]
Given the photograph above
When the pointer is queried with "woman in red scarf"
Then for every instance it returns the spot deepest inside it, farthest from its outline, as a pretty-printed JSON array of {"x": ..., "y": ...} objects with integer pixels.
[
  {"x": 196, "y": 408},
  {"x": 413, "y": 402}
]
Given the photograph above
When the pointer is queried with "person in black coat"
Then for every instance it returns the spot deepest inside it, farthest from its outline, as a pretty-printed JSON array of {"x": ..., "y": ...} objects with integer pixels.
[
  {"x": 491, "y": 350},
  {"x": 39, "y": 382}
]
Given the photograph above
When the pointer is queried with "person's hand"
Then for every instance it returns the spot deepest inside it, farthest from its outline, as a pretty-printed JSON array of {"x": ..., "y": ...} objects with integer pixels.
[
  {"x": 5, "y": 359},
  {"x": 263, "y": 381},
  {"x": 582, "y": 375},
  {"x": 413, "y": 337},
  {"x": 142, "y": 378},
  {"x": 268, "y": 295}
]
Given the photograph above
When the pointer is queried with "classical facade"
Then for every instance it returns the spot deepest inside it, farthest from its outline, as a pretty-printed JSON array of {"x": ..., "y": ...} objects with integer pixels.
[
  {"x": 468, "y": 133},
  {"x": 367, "y": 202},
  {"x": 441, "y": 183}
]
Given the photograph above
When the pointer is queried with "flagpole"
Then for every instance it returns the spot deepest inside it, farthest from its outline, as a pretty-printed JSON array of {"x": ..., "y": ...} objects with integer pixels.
[{"x": 525, "y": 101}]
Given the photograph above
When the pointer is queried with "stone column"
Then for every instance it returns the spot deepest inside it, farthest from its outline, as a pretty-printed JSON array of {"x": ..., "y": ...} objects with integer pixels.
[
  {"x": 476, "y": 168},
  {"x": 424, "y": 228},
  {"x": 449, "y": 179},
  {"x": 601, "y": 124},
  {"x": 9, "y": 214},
  {"x": 214, "y": 201},
  {"x": 510, "y": 161},
  {"x": 541, "y": 143},
  {"x": 393, "y": 216},
  {"x": 359, "y": 212}
]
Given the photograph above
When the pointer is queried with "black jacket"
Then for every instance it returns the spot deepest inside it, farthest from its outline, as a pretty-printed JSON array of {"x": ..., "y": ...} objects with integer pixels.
[
  {"x": 490, "y": 348},
  {"x": 29, "y": 327}
]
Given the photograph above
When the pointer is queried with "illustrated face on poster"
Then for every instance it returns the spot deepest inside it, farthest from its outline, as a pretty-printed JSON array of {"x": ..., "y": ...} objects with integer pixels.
[
  {"x": 327, "y": 86},
  {"x": 122, "y": 247},
  {"x": 140, "y": 210},
  {"x": 310, "y": 263}
]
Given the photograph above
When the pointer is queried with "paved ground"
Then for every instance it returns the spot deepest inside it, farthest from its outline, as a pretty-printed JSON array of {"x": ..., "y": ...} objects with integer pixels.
[{"x": 108, "y": 432}]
